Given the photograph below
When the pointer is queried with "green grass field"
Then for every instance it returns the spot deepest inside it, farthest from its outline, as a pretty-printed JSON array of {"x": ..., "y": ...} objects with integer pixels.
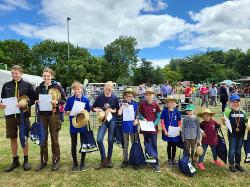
[{"x": 170, "y": 176}]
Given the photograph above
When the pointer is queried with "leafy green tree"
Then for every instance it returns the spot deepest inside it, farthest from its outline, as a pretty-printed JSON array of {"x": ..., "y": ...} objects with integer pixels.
[
  {"x": 121, "y": 56},
  {"x": 16, "y": 52},
  {"x": 171, "y": 76}
]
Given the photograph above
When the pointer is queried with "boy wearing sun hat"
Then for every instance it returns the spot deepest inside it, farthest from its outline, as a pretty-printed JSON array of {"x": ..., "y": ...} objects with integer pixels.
[
  {"x": 129, "y": 128},
  {"x": 209, "y": 127},
  {"x": 238, "y": 120},
  {"x": 149, "y": 110}
]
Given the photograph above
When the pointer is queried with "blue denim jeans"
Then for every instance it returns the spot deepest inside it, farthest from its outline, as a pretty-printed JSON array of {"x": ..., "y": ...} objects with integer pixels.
[
  {"x": 100, "y": 136},
  {"x": 213, "y": 149},
  {"x": 150, "y": 143},
  {"x": 235, "y": 145}
]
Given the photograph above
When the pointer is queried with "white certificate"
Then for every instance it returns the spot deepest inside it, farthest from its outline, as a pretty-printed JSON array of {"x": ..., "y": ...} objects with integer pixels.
[
  {"x": 228, "y": 124},
  {"x": 45, "y": 102},
  {"x": 77, "y": 108},
  {"x": 128, "y": 113},
  {"x": 147, "y": 125},
  {"x": 109, "y": 116},
  {"x": 11, "y": 107},
  {"x": 173, "y": 131}
]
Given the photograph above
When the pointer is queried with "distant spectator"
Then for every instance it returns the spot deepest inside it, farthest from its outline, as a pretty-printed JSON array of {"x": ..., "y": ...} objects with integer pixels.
[
  {"x": 188, "y": 93},
  {"x": 166, "y": 89},
  {"x": 223, "y": 96},
  {"x": 204, "y": 91},
  {"x": 213, "y": 95}
]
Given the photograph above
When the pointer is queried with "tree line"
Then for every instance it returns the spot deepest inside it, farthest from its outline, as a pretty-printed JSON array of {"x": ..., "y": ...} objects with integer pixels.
[{"x": 120, "y": 63}]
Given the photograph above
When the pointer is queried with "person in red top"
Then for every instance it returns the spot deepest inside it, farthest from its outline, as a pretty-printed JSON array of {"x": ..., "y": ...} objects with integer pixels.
[
  {"x": 188, "y": 93},
  {"x": 149, "y": 110},
  {"x": 209, "y": 127},
  {"x": 204, "y": 91}
]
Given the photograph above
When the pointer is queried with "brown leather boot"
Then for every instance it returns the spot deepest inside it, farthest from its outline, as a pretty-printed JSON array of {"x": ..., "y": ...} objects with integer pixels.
[
  {"x": 109, "y": 163},
  {"x": 102, "y": 165}
]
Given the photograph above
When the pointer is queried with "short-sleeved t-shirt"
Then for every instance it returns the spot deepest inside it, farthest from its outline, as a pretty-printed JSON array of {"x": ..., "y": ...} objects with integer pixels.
[
  {"x": 210, "y": 129},
  {"x": 170, "y": 118},
  {"x": 149, "y": 112}
]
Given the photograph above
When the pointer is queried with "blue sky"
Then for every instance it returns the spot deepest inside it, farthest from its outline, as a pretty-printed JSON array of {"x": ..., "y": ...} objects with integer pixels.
[{"x": 164, "y": 29}]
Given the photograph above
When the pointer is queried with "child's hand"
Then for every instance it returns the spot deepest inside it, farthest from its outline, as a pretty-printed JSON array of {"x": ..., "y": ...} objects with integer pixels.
[
  {"x": 204, "y": 135},
  {"x": 136, "y": 122},
  {"x": 2, "y": 106},
  {"x": 223, "y": 120},
  {"x": 165, "y": 133}
]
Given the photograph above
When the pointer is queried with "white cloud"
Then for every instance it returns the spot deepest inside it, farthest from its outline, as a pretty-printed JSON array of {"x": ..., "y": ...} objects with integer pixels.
[
  {"x": 160, "y": 62},
  {"x": 96, "y": 23},
  {"x": 8, "y": 5},
  {"x": 222, "y": 26},
  {"x": 156, "y": 5}
]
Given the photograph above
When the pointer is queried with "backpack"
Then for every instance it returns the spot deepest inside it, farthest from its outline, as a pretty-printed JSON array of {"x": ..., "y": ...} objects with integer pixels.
[{"x": 186, "y": 167}]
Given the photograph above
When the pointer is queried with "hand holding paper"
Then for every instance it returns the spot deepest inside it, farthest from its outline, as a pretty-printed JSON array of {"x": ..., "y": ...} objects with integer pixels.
[
  {"x": 228, "y": 124},
  {"x": 10, "y": 106},
  {"x": 45, "y": 102},
  {"x": 173, "y": 131},
  {"x": 77, "y": 108},
  {"x": 147, "y": 126}
]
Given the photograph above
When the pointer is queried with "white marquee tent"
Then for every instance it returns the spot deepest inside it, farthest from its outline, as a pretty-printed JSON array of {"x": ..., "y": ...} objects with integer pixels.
[{"x": 5, "y": 76}]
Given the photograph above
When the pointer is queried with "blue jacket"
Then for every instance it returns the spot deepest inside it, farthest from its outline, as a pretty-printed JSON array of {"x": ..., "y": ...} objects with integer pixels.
[{"x": 69, "y": 105}]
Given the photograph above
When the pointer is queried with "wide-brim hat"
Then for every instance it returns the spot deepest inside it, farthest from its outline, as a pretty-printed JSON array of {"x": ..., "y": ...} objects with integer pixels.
[
  {"x": 150, "y": 91},
  {"x": 199, "y": 151},
  {"x": 190, "y": 107},
  {"x": 23, "y": 102},
  {"x": 170, "y": 98},
  {"x": 81, "y": 119},
  {"x": 101, "y": 116},
  {"x": 129, "y": 91},
  {"x": 56, "y": 94},
  {"x": 205, "y": 111}
]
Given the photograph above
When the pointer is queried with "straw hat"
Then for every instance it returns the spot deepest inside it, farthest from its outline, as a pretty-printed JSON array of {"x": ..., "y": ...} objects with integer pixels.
[
  {"x": 199, "y": 151},
  {"x": 23, "y": 102},
  {"x": 101, "y": 116},
  {"x": 170, "y": 98},
  {"x": 129, "y": 91},
  {"x": 56, "y": 94},
  {"x": 150, "y": 91},
  {"x": 205, "y": 111},
  {"x": 81, "y": 119}
]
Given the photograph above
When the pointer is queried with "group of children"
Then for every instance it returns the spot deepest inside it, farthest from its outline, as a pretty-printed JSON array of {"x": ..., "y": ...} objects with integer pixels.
[{"x": 192, "y": 132}]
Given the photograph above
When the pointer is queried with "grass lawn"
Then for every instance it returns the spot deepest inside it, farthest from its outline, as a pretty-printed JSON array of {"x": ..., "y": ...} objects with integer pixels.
[{"x": 170, "y": 176}]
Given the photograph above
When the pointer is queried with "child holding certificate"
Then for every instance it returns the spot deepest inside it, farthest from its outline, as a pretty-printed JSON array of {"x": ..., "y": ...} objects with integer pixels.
[
  {"x": 150, "y": 112},
  {"x": 78, "y": 96},
  {"x": 170, "y": 118},
  {"x": 209, "y": 136},
  {"x": 129, "y": 110},
  {"x": 50, "y": 118}
]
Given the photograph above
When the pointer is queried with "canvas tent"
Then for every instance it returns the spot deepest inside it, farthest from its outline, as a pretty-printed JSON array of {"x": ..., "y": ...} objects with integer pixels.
[{"x": 5, "y": 76}]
